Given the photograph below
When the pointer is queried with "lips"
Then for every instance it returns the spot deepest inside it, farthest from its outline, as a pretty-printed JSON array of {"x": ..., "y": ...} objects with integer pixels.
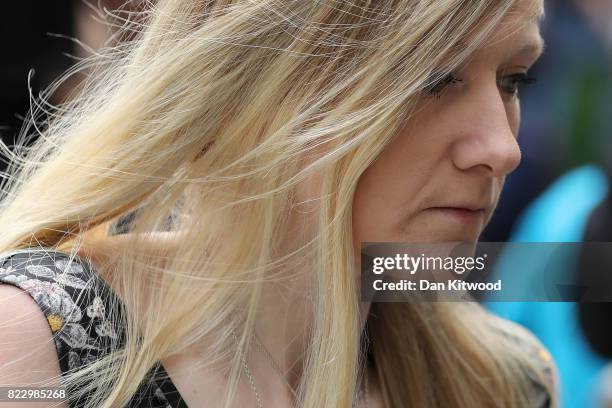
[{"x": 465, "y": 215}]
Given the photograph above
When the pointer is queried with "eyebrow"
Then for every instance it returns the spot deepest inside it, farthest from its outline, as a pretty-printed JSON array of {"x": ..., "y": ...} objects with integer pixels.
[
  {"x": 530, "y": 48},
  {"x": 538, "y": 46},
  {"x": 533, "y": 47}
]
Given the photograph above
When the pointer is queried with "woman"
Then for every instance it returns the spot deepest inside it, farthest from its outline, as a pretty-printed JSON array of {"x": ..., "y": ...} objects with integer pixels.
[{"x": 254, "y": 146}]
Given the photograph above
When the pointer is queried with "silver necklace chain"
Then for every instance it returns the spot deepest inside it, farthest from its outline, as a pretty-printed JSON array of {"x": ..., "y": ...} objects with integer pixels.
[
  {"x": 247, "y": 371},
  {"x": 363, "y": 392},
  {"x": 274, "y": 365}
]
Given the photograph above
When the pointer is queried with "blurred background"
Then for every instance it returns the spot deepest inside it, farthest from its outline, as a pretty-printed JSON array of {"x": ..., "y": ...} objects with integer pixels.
[
  {"x": 559, "y": 193},
  {"x": 38, "y": 41}
]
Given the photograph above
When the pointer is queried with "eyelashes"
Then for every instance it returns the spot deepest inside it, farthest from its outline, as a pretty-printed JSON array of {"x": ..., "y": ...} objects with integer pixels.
[
  {"x": 437, "y": 83},
  {"x": 509, "y": 84}
]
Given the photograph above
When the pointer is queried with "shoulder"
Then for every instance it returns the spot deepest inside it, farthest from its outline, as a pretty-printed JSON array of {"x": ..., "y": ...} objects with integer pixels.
[
  {"x": 546, "y": 379},
  {"x": 74, "y": 301},
  {"x": 28, "y": 354},
  {"x": 58, "y": 300}
]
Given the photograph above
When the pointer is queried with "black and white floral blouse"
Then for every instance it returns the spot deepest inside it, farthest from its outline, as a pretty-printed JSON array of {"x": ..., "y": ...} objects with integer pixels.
[{"x": 75, "y": 301}]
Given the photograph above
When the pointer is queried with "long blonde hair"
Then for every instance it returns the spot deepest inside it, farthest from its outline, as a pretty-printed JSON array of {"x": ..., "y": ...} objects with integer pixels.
[{"x": 205, "y": 118}]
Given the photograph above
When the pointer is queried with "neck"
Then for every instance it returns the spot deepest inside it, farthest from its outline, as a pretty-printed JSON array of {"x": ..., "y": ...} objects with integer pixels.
[
  {"x": 282, "y": 326},
  {"x": 284, "y": 320}
]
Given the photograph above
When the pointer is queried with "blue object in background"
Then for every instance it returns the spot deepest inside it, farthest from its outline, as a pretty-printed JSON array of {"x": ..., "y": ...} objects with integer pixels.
[{"x": 560, "y": 214}]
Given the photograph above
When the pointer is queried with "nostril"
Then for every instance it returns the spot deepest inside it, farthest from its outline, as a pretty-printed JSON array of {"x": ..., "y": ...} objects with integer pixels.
[{"x": 496, "y": 153}]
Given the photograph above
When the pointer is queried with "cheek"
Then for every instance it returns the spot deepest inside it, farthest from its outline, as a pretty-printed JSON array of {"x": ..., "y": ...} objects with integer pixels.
[
  {"x": 388, "y": 191},
  {"x": 369, "y": 216},
  {"x": 368, "y": 207}
]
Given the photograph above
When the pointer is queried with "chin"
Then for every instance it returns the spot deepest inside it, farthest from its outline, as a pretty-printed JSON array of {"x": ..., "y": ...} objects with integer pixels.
[{"x": 443, "y": 233}]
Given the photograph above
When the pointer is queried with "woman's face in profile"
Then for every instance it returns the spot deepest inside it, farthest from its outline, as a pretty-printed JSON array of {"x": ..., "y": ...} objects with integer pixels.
[{"x": 441, "y": 176}]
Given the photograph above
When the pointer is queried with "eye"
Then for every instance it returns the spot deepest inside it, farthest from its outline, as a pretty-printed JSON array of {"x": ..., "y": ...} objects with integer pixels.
[
  {"x": 510, "y": 84},
  {"x": 438, "y": 82}
]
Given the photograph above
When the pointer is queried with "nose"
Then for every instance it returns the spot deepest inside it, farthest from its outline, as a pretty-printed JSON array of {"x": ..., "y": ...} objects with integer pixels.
[{"x": 487, "y": 138}]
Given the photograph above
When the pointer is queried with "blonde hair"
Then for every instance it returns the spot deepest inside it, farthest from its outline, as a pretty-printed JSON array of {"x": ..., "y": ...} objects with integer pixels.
[{"x": 210, "y": 116}]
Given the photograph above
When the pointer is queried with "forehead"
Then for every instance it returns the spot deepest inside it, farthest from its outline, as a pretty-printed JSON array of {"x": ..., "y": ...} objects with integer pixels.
[
  {"x": 529, "y": 9},
  {"x": 520, "y": 27},
  {"x": 518, "y": 33},
  {"x": 524, "y": 17}
]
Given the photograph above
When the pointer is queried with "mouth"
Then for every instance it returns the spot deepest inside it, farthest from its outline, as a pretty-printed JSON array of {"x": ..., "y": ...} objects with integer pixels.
[{"x": 466, "y": 216}]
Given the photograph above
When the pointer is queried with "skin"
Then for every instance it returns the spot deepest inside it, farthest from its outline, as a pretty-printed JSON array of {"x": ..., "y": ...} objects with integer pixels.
[{"x": 460, "y": 146}]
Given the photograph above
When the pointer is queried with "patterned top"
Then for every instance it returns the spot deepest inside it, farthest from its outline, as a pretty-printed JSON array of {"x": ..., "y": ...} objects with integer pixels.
[{"x": 75, "y": 301}]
